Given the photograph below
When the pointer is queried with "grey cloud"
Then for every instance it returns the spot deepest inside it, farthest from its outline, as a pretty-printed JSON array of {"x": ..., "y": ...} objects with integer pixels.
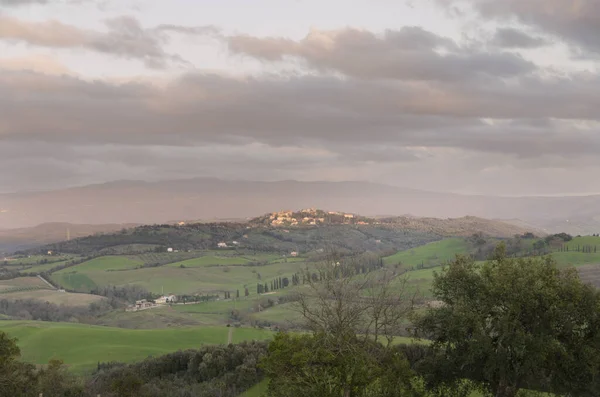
[
  {"x": 514, "y": 38},
  {"x": 577, "y": 22},
  {"x": 191, "y": 30},
  {"x": 411, "y": 53},
  {"x": 315, "y": 112},
  {"x": 125, "y": 38}
]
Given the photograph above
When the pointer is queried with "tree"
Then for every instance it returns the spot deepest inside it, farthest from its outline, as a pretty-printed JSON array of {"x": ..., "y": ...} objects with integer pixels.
[
  {"x": 349, "y": 315},
  {"x": 237, "y": 294},
  {"x": 16, "y": 378},
  {"x": 55, "y": 381},
  {"x": 511, "y": 324}
]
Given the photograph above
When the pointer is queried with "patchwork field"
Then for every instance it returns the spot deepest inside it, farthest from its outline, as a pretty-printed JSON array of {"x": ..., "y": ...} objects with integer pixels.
[{"x": 83, "y": 346}]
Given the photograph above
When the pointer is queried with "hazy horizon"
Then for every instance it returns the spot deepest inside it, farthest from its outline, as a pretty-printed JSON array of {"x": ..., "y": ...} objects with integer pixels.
[{"x": 231, "y": 180}]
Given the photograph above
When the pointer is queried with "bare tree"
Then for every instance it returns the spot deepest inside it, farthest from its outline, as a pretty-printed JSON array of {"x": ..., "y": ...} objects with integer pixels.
[{"x": 340, "y": 301}]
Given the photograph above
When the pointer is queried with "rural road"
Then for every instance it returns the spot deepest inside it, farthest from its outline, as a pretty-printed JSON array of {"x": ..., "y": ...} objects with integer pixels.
[
  {"x": 46, "y": 281},
  {"x": 230, "y": 336}
]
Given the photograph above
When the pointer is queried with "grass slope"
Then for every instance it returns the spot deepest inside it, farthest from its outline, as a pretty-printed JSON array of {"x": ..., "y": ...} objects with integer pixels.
[
  {"x": 82, "y": 346},
  {"x": 436, "y": 253},
  {"x": 106, "y": 263}
]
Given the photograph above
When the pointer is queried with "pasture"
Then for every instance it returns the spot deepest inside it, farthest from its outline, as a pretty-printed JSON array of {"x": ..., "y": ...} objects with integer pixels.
[
  {"x": 54, "y": 296},
  {"x": 81, "y": 347},
  {"x": 176, "y": 279},
  {"x": 21, "y": 284},
  {"x": 432, "y": 254}
]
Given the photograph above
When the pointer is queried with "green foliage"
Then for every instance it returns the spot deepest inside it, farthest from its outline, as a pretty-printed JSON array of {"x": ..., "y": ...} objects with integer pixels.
[
  {"x": 24, "y": 380},
  {"x": 210, "y": 371},
  {"x": 511, "y": 324},
  {"x": 324, "y": 366}
]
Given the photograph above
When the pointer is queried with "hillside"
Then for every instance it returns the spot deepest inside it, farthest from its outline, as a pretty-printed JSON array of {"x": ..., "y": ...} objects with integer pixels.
[
  {"x": 464, "y": 226},
  {"x": 24, "y": 238},
  {"x": 286, "y": 231},
  {"x": 224, "y": 236},
  {"x": 161, "y": 202}
]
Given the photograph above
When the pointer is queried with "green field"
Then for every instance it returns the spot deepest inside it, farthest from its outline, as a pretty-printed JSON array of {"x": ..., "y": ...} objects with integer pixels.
[
  {"x": 177, "y": 280},
  {"x": 83, "y": 346},
  {"x": 210, "y": 260},
  {"x": 43, "y": 268},
  {"x": 432, "y": 254},
  {"x": 106, "y": 263}
]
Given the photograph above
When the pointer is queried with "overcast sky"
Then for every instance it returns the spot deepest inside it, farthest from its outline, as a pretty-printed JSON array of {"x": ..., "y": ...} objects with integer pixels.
[{"x": 475, "y": 96}]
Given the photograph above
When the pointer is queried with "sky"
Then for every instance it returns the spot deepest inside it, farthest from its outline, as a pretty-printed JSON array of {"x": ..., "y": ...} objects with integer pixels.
[{"x": 468, "y": 96}]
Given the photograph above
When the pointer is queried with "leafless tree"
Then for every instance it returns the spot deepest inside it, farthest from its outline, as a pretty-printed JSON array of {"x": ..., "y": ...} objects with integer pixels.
[{"x": 339, "y": 301}]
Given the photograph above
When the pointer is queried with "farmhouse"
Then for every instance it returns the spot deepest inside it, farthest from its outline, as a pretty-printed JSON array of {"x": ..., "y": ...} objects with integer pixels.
[
  {"x": 140, "y": 305},
  {"x": 222, "y": 245},
  {"x": 163, "y": 300}
]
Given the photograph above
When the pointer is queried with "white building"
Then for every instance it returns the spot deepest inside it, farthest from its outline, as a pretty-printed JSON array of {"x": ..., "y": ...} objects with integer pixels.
[
  {"x": 294, "y": 254},
  {"x": 222, "y": 245},
  {"x": 163, "y": 300},
  {"x": 169, "y": 249}
]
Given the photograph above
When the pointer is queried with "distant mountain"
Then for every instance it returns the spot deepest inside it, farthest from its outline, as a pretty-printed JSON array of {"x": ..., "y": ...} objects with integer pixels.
[
  {"x": 24, "y": 238},
  {"x": 159, "y": 202}
]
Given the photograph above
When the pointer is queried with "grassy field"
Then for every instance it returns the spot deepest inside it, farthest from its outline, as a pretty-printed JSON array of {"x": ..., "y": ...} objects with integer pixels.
[
  {"x": 83, "y": 346},
  {"x": 21, "y": 284},
  {"x": 43, "y": 268},
  {"x": 55, "y": 297},
  {"x": 210, "y": 260},
  {"x": 164, "y": 317},
  {"x": 177, "y": 280},
  {"x": 106, "y": 263},
  {"x": 432, "y": 254}
]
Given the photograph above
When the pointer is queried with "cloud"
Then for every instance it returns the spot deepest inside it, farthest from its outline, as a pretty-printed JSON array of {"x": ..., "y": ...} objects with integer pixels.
[
  {"x": 124, "y": 38},
  {"x": 529, "y": 119},
  {"x": 406, "y": 106},
  {"x": 12, "y": 3},
  {"x": 514, "y": 38},
  {"x": 410, "y": 53},
  {"x": 577, "y": 22},
  {"x": 35, "y": 63}
]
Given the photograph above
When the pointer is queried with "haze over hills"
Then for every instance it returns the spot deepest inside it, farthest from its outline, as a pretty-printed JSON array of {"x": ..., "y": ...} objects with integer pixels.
[
  {"x": 160, "y": 202},
  {"x": 46, "y": 233}
]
